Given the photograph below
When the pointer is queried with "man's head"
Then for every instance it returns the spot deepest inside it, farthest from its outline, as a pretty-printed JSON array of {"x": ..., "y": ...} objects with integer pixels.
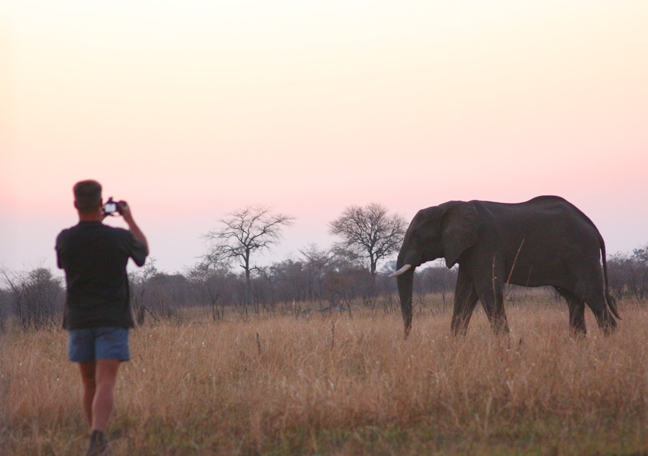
[{"x": 87, "y": 196}]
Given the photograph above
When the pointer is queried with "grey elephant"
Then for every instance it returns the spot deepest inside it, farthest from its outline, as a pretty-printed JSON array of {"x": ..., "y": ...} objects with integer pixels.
[{"x": 546, "y": 241}]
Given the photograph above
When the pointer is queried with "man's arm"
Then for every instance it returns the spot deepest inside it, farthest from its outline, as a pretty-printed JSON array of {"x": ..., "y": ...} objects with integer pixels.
[
  {"x": 124, "y": 210},
  {"x": 57, "y": 248}
]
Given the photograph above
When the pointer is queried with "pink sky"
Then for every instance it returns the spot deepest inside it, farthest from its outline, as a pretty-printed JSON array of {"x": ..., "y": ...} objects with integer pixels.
[{"x": 190, "y": 110}]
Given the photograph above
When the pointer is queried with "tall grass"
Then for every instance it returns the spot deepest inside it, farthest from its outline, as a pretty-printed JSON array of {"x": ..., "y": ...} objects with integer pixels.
[{"x": 334, "y": 385}]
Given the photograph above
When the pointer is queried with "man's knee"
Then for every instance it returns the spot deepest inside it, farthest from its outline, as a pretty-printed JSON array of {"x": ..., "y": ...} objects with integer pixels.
[
  {"x": 106, "y": 372},
  {"x": 88, "y": 371}
]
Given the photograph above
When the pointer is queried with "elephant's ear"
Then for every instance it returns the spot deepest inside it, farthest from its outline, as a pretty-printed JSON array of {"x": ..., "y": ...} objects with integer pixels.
[{"x": 460, "y": 224}]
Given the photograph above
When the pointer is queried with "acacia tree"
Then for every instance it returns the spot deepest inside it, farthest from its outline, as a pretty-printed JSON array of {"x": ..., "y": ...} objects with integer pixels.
[
  {"x": 245, "y": 232},
  {"x": 369, "y": 232}
]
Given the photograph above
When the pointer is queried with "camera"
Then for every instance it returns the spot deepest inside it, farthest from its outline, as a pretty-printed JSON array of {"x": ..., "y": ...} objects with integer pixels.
[{"x": 111, "y": 207}]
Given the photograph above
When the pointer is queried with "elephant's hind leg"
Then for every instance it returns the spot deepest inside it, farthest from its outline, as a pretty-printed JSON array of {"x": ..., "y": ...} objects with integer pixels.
[
  {"x": 576, "y": 311},
  {"x": 596, "y": 301},
  {"x": 589, "y": 288},
  {"x": 464, "y": 303}
]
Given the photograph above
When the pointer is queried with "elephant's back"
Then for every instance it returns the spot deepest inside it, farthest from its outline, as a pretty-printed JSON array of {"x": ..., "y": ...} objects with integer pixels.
[
  {"x": 540, "y": 207},
  {"x": 552, "y": 214}
]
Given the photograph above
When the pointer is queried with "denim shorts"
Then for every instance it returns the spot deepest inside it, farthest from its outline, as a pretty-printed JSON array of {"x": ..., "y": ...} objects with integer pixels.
[{"x": 98, "y": 343}]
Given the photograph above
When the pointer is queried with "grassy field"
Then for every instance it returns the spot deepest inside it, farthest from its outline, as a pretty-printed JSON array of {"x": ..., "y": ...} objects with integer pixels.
[{"x": 332, "y": 385}]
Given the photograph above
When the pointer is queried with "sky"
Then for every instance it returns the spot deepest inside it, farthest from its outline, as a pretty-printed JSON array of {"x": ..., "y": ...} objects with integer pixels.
[{"x": 190, "y": 110}]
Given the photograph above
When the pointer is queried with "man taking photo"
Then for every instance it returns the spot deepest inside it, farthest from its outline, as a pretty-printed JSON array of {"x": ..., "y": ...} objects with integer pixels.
[{"x": 97, "y": 308}]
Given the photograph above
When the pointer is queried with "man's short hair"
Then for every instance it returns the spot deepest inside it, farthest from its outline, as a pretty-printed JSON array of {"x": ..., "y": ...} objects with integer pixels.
[{"x": 87, "y": 195}]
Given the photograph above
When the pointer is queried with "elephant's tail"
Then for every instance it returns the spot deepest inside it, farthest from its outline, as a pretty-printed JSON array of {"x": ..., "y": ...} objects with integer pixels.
[{"x": 610, "y": 300}]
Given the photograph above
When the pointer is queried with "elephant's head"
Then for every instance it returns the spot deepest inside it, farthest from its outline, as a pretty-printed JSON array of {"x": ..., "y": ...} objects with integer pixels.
[{"x": 440, "y": 231}]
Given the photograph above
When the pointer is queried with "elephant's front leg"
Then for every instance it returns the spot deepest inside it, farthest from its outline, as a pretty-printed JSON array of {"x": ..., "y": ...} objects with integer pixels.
[
  {"x": 490, "y": 289},
  {"x": 465, "y": 300}
]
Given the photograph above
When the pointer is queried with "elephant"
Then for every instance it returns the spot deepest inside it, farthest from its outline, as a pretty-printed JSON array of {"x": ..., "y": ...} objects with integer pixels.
[{"x": 545, "y": 241}]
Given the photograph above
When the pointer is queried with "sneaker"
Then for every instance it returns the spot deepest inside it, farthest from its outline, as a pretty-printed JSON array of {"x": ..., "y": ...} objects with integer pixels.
[{"x": 98, "y": 443}]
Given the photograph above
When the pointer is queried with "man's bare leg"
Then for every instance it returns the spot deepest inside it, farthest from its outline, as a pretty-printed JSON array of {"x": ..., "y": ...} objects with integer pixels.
[
  {"x": 105, "y": 379},
  {"x": 99, "y": 378},
  {"x": 89, "y": 387}
]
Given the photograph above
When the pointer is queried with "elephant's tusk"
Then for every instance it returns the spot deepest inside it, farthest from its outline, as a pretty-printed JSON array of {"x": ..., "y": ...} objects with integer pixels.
[{"x": 402, "y": 270}]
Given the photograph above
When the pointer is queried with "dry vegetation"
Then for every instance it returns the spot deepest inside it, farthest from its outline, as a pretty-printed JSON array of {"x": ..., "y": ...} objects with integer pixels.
[{"x": 340, "y": 386}]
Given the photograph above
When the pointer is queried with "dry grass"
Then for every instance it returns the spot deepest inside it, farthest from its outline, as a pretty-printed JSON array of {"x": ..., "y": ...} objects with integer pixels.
[{"x": 302, "y": 388}]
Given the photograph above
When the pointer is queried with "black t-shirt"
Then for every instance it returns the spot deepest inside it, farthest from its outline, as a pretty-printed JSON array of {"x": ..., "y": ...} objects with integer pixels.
[{"x": 94, "y": 257}]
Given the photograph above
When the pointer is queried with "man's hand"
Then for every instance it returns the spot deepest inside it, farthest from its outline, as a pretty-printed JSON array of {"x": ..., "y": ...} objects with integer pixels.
[{"x": 125, "y": 211}]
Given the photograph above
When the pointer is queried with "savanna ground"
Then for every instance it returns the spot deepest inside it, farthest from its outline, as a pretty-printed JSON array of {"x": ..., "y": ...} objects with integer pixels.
[{"x": 334, "y": 385}]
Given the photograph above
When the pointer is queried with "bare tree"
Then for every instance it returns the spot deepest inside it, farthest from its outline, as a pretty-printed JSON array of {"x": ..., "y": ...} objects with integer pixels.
[
  {"x": 4, "y": 309},
  {"x": 628, "y": 274},
  {"x": 212, "y": 284},
  {"x": 369, "y": 232},
  {"x": 315, "y": 262},
  {"x": 138, "y": 287},
  {"x": 244, "y": 233},
  {"x": 35, "y": 295}
]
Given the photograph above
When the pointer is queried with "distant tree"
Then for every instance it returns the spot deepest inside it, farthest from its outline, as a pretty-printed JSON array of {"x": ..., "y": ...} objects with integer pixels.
[
  {"x": 244, "y": 233},
  {"x": 628, "y": 274},
  {"x": 347, "y": 283},
  {"x": 316, "y": 261},
  {"x": 138, "y": 287},
  {"x": 172, "y": 288},
  {"x": 435, "y": 279},
  {"x": 369, "y": 232},
  {"x": 641, "y": 255},
  {"x": 35, "y": 296},
  {"x": 4, "y": 309}
]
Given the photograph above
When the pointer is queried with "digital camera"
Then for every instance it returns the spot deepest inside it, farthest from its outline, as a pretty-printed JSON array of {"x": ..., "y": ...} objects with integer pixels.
[{"x": 111, "y": 207}]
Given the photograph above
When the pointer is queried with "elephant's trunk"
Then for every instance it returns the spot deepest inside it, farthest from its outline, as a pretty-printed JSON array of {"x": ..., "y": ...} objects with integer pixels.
[{"x": 405, "y": 283}]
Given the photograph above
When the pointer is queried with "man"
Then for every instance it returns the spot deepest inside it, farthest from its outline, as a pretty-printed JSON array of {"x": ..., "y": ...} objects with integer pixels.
[{"x": 97, "y": 309}]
